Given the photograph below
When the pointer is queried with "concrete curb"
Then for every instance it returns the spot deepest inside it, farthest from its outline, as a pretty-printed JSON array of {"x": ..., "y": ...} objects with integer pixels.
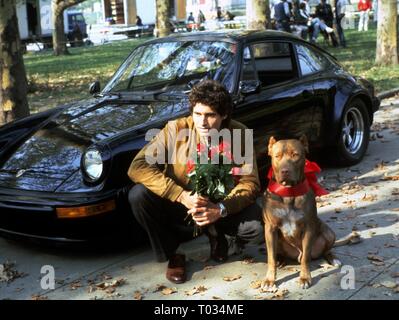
[{"x": 388, "y": 93}]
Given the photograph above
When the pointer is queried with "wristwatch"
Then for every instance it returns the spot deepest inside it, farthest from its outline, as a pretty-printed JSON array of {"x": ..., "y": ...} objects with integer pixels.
[{"x": 223, "y": 210}]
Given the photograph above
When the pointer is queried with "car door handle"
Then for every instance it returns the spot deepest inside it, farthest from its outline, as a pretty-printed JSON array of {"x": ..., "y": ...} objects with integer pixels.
[{"x": 307, "y": 94}]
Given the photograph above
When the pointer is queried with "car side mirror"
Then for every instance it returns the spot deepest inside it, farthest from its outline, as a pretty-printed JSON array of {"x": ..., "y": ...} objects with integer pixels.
[
  {"x": 95, "y": 87},
  {"x": 247, "y": 87}
]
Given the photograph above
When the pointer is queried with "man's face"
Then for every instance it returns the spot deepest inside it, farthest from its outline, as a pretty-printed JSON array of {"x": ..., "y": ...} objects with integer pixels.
[{"x": 205, "y": 119}]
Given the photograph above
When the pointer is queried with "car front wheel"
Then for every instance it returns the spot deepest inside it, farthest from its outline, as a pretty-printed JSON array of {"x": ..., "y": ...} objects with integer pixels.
[{"x": 354, "y": 133}]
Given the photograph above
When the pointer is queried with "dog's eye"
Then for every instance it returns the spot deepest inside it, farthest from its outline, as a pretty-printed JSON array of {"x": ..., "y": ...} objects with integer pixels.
[{"x": 295, "y": 155}]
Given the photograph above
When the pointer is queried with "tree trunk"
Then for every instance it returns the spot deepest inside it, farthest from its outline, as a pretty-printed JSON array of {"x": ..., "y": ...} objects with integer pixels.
[
  {"x": 387, "y": 43},
  {"x": 59, "y": 38},
  {"x": 57, "y": 10},
  {"x": 13, "y": 83},
  {"x": 162, "y": 21},
  {"x": 258, "y": 14}
]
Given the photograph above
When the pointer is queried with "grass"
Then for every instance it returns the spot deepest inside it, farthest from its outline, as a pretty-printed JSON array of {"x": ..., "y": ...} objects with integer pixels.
[
  {"x": 56, "y": 80},
  {"x": 358, "y": 58}
]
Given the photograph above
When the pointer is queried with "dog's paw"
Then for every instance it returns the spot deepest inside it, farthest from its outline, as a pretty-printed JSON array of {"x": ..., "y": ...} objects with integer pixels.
[
  {"x": 305, "y": 282},
  {"x": 268, "y": 286}
]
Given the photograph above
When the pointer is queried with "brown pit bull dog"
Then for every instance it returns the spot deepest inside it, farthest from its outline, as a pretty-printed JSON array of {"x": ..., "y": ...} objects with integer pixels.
[{"x": 292, "y": 228}]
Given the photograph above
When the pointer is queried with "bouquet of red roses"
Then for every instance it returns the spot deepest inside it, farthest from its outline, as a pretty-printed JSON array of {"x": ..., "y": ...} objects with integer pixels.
[{"x": 212, "y": 174}]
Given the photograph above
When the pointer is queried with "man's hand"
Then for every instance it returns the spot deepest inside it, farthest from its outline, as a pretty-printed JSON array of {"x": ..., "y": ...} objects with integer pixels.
[
  {"x": 192, "y": 201},
  {"x": 205, "y": 215}
]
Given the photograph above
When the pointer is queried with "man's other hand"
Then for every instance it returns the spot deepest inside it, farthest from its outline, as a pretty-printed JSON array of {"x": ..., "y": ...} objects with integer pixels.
[
  {"x": 206, "y": 214},
  {"x": 192, "y": 201}
]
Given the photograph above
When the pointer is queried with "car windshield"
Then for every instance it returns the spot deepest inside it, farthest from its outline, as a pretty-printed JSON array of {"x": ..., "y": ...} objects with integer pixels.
[{"x": 171, "y": 66}]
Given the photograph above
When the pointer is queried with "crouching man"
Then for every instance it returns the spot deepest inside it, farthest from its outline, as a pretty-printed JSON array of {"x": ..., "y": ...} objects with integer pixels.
[{"x": 161, "y": 197}]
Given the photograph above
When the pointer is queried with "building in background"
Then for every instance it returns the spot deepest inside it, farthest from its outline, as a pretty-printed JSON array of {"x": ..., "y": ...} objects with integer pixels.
[{"x": 126, "y": 11}]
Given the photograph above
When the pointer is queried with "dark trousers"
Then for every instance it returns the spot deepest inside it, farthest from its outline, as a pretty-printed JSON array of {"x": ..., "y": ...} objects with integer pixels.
[
  {"x": 340, "y": 31},
  {"x": 283, "y": 25},
  {"x": 164, "y": 222}
]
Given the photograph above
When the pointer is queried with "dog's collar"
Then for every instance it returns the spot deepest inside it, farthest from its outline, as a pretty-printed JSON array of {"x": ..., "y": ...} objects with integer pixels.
[{"x": 311, "y": 168}]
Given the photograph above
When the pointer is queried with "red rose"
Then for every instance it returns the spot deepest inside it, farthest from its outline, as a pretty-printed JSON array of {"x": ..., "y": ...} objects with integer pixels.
[
  {"x": 201, "y": 148},
  {"x": 190, "y": 166}
]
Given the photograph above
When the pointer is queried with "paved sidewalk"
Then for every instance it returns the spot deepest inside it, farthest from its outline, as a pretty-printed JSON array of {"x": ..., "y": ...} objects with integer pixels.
[{"x": 364, "y": 198}]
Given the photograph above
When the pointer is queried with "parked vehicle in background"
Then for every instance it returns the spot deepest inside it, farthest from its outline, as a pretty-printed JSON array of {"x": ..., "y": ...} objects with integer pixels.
[{"x": 35, "y": 22}]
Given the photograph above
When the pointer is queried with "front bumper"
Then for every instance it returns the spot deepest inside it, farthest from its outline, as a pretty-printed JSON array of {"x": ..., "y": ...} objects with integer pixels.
[{"x": 32, "y": 216}]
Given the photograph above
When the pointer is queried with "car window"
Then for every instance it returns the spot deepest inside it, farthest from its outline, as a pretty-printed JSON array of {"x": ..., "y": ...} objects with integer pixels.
[
  {"x": 273, "y": 62},
  {"x": 175, "y": 63},
  {"x": 310, "y": 61},
  {"x": 248, "y": 69}
]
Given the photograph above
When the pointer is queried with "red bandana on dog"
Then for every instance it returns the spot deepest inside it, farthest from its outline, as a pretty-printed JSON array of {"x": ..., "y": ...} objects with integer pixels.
[{"x": 311, "y": 168}]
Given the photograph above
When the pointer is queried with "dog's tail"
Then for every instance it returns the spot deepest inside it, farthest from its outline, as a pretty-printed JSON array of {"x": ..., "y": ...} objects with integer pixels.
[{"x": 352, "y": 238}]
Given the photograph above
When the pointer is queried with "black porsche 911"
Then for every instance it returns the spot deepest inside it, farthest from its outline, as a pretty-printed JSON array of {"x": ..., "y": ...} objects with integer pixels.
[{"x": 63, "y": 172}]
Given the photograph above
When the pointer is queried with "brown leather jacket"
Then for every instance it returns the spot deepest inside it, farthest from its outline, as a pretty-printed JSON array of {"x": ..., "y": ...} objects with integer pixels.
[{"x": 169, "y": 180}]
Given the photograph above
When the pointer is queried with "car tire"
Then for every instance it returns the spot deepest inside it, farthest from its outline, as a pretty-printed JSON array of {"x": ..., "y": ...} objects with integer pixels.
[{"x": 353, "y": 134}]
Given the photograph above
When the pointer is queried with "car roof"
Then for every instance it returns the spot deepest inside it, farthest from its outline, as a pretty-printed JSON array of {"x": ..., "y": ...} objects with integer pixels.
[{"x": 233, "y": 34}]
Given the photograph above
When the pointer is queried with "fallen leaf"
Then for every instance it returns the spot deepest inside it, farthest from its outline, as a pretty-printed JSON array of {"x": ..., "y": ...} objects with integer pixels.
[
  {"x": 338, "y": 210},
  {"x": 390, "y": 245},
  {"x": 38, "y": 297},
  {"x": 232, "y": 278},
  {"x": 378, "y": 263},
  {"x": 256, "y": 284},
  {"x": 159, "y": 287},
  {"x": 137, "y": 295},
  {"x": 280, "y": 294},
  {"x": 381, "y": 165},
  {"x": 75, "y": 285},
  {"x": 109, "y": 287},
  {"x": 374, "y": 257},
  {"x": 195, "y": 290},
  {"x": 391, "y": 178},
  {"x": 370, "y": 198},
  {"x": 389, "y": 284},
  {"x": 216, "y": 298},
  {"x": 168, "y": 291},
  {"x": 8, "y": 272},
  {"x": 349, "y": 202}
]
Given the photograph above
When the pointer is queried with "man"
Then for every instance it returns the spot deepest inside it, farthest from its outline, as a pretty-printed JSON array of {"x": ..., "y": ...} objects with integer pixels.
[
  {"x": 161, "y": 198},
  {"x": 340, "y": 10},
  {"x": 282, "y": 16},
  {"x": 325, "y": 14},
  {"x": 191, "y": 18},
  {"x": 364, "y": 7}
]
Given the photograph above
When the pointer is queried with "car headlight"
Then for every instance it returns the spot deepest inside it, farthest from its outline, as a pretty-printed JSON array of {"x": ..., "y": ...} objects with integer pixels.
[{"x": 93, "y": 164}]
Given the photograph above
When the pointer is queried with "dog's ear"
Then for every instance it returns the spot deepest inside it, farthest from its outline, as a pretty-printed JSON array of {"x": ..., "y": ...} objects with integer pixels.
[
  {"x": 272, "y": 141},
  {"x": 304, "y": 140}
]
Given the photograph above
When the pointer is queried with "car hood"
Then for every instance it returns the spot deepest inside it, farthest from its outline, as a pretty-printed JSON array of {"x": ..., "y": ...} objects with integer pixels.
[{"x": 45, "y": 160}]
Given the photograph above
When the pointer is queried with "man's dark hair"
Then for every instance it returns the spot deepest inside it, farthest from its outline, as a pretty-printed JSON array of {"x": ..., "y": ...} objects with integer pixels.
[{"x": 213, "y": 94}]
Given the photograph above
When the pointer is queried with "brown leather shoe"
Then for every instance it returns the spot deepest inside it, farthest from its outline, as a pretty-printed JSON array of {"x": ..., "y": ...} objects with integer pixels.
[{"x": 176, "y": 271}]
